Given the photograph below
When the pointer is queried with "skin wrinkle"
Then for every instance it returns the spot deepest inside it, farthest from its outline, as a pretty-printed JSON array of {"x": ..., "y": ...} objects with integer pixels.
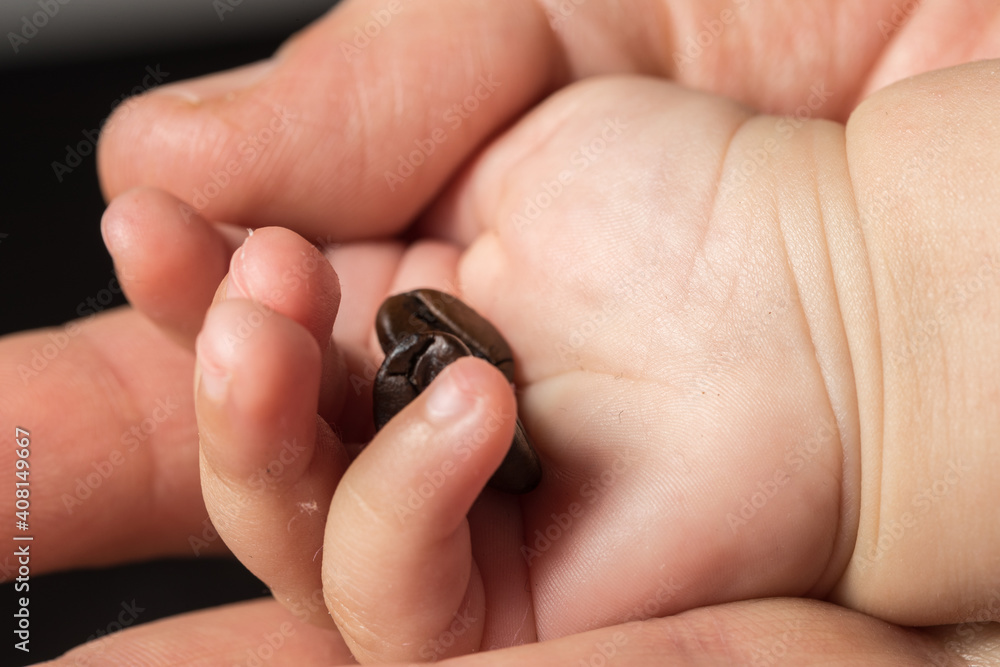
[
  {"x": 233, "y": 127},
  {"x": 485, "y": 208},
  {"x": 842, "y": 334},
  {"x": 233, "y": 487},
  {"x": 349, "y": 623},
  {"x": 876, "y": 338},
  {"x": 491, "y": 232},
  {"x": 376, "y": 642},
  {"x": 231, "y": 513},
  {"x": 822, "y": 368},
  {"x": 264, "y": 164},
  {"x": 614, "y": 375},
  {"x": 362, "y": 505},
  {"x": 718, "y": 179},
  {"x": 877, "y": 528}
]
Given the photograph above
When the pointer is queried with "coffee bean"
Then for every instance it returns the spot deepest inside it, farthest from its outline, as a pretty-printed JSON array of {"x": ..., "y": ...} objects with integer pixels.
[
  {"x": 409, "y": 368},
  {"x": 427, "y": 310},
  {"x": 423, "y": 331}
]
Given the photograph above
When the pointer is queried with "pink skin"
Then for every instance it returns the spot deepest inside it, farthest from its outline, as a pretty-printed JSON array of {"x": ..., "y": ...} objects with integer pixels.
[
  {"x": 666, "y": 435},
  {"x": 769, "y": 314}
]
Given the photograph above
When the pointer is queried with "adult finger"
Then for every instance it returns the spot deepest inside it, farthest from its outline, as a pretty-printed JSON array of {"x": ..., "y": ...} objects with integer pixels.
[
  {"x": 112, "y": 468},
  {"x": 248, "y": 633},
  {"x": 777, "y": 631},
  {"x": 328, "y": 138},
  {"x": 168, "y": 259},
  {"x": 355, "y": 125}
]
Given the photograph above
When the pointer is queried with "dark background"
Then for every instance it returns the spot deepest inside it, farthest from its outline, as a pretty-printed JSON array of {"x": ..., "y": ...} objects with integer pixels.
[{"x": 52, "y": 257}]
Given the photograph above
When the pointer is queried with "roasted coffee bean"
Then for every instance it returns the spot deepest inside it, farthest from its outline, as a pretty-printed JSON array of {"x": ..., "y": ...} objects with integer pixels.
[
  {"x": 423, "y": 331},
  {"x": 428, "y": 310},
  {"x": 409, "y": 368}
]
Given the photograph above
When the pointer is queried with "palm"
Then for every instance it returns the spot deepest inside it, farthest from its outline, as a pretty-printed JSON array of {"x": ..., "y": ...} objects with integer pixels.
[{"x": 665, "y": 368}]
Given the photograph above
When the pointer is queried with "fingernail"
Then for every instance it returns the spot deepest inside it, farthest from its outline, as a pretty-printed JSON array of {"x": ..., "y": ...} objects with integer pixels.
[
  {"x": 219, "y": 85},
  {"x": 213, "y": 377},
  {"x": 234, "y": 281},
  {"x": 451, "y": 395},
  {"x": 106, "y": 233},
  {"x": 114, "y": 230}
]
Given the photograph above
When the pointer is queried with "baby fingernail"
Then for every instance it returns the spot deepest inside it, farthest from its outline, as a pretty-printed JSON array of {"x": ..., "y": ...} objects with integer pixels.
[
  {"x": 221, "y": 85},
  {"x": 234, "y": 280},
  {"x": 451, "y": 395},
  {"x": 213, "y": 377}
]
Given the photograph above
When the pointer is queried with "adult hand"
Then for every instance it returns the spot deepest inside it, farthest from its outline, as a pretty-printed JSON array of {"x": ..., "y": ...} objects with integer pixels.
[
  {"x": 761, "y": 632},
  {"x": 344, "y": 136}
]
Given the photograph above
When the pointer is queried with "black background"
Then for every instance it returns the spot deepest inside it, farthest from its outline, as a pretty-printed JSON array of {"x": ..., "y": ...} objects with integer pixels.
[{"x": 52, "y": 259}]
